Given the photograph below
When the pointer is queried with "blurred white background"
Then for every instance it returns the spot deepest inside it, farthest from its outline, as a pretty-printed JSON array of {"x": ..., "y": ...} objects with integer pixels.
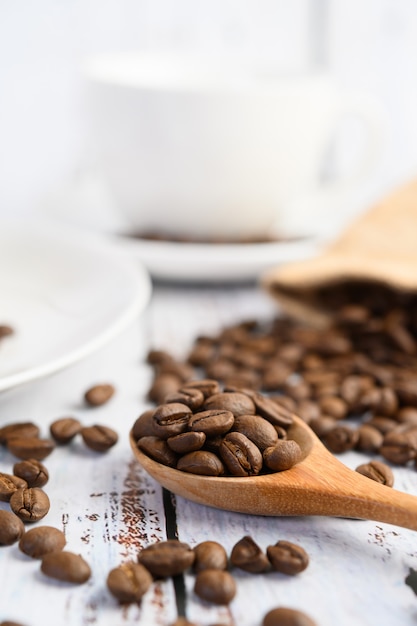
[{"x": 366, "y": 44}]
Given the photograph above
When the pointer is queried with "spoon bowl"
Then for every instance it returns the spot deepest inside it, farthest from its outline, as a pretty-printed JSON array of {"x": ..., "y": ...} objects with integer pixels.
[{"x": 318, "y": 485}]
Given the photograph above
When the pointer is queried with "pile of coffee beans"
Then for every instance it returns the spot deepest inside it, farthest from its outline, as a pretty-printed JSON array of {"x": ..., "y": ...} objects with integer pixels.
[
  {"x": 209, "y": 563},
  {"x": 202, "y": 430},
  {"x": 354, "y": 383}
]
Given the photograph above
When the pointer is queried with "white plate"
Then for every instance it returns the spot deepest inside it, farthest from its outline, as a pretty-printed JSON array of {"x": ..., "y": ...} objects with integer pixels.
[
  {"x": 64, "y": 293},
  {"x": 196, "y": 262}
]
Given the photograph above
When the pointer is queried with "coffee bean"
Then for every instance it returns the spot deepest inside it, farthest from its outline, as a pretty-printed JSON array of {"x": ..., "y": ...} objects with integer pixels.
[
  {"x": 201, "y": 462},
  {"x": 30, "y": 447},
  {"x": 41, "y": 540},
  {"x": 171, "y": 419},
  {"x": 283, "y": 455},
  {"x": 369, "y": 438},
  {"x": 399, "y": 448},
  {"x": 240, "y": 455},
  {"x": 215, "y": 586},
  {"x": 287, "y": 617},
  {"x": 129, "y": 582},
  {"x": 162, "y": 386},
  {"x": 383, "y": 424},
  {"x": 272, "y": 411},
  {"x": 308, "y": 410},
  {"x": 333, "y": 406},
  {"x": 9, "y": 484},
  {"x": 31, "y": 504},
  {"x": 377, "y": 471},
  {"x": 32, "y": 471},
  {"x": 341, "y": 438},
  {"x": 235, "y": 402},
  {"x": 207, "y": 386},
  {"x": 155, "y": 357},
  {"x": 287, "y": 558},
  {"x": 193, "y": 398},
  {"x": 99, "y": 438},
  {"x": 9, "y": 623},
  {"x": 99, "y": 394},
  {"x": 209, "y": 555},
  {"x": 66, "y": 566},
  {"x": 18, "y": 429},
  {"x": 187, "y": 442},
  {"x": 408, "y": 415},
  {"x": 257, "y": 429},
  {"x": 143, "y": 426},
  {"x": 63, "y": 430},
  {"x": 158, "y": 450},
  {"x": 6, "y": 330},
  {"x": 11, "y": 528},
  {"x": 247, "y": 555},
  {"x": 212, "y": 422},
  {"x": 167, "y": 558},
  {"x": 182, "y": 621}
]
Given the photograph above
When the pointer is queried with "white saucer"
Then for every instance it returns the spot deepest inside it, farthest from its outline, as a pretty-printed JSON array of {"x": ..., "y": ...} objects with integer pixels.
[
  {"x": 64, "y": 293},
  {"x": 207, "y": 262}
]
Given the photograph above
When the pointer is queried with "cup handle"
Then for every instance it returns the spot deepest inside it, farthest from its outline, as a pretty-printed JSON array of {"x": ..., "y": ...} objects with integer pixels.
[{"x": 372, "y": 113}]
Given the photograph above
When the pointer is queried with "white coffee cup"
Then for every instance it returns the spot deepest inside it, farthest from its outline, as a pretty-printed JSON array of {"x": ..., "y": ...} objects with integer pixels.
[{"x": 204, "y": 148}]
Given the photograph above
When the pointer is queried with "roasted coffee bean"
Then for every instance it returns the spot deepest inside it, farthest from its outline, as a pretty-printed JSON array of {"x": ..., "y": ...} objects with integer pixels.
[
  {"x": 99, "y": 438},
  {"x": 247, "y": 555},
  {"x": 399, "y": 447},
  {"x": 274, "y": 412},
  {"x": 212, "y": 422},
  {"x": 298, "y": 390},
  {"x": 30, "y": 447},
  {"x": 207, "y": 386},
  {"x": 9, "y": 484},
  {"x": 183, "y": 621},
  {"x": 63, "y": 430},
  {"x": 240, "y": 455},
  {"x": 257, "y": 429},
  {"x": 171, "y": 419},
  {"x": 38, "y": 541},
  {"x": 201, "y": 353},
  {"x": 187, "y": 442},
  {"x": 193, "y": 398},
  {"x": 407, "y": 415},
  {"x": 9, "y": 623},
  {"x": 287, "y": 617},
  {"x": 6, "y": 330},
  {"x": 167, "y": 558},
  {"x": 129, "y": 582},
  {"x": 353, "y": 387},
  {"x": 377, "y": 471},
  {"x": 283, "y": 455},
  {"x": 163, "y": 385},
  {"x": 66, "y": 566},
  {"x": 287, "y": 558},
  {"x": 31, "y": 504},
  {"x": 383, "y": 424},
  {"x": 155, "y": 357},
  {"x": 158, "y": 450},
  {"x": 11, "y": 528},
  {"x": 99, "y": 394},
  {"x": 32, "y": 471},
  {"x": 201, "y": 462},
  {"x": 370, "y": 439},
  {"x": 308, "y": 410},
  {"x": 18, "y": 429},
  {"x": 215, "y": 586},
  {"x": 143, "y": 426},
  {"x": 237, "y": 403},
  {"x": 333, "y": 406},
  {"x": 209, "y": 555},
  {"x": 341, "y": 438}
]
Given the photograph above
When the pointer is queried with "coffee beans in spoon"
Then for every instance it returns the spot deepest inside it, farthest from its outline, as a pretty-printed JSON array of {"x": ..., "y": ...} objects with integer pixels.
[{"x": 234, "y": 432}]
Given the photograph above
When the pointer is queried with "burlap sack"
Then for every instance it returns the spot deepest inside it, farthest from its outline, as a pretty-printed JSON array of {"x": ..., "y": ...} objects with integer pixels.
[{"x": 380, "y": 246}]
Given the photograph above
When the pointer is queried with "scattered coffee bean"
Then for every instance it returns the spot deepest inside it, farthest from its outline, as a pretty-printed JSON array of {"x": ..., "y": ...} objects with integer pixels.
[
  {"x": 129, "y": 582},
  {"x": 63, "y": 430},
  {"x": 66, "y": 566},
  {"x": 31, "y": 504},
  {"x": 378, "y": 471},
  {"x": 283, "y": 455},
  {"x": 18, "y": 429},
  {"x": 9, "y": 484},
  {"x": 247, "y": 555},
  {"x": 201, "y": 462},
  {"x": 287, "y": 558},
  {"x": 341, "y": 438},
  {"x": 38, "y": 541},
  {"x": 209, "y": 555},
  {"x": 11, "y": 528},
  {"x": 167, "y": 558},
  {"x": 30, "y": 447},
  {"x": 32, "y": 471},
  {"x": 369, "y": 439},
  {"x": 99, "y": 438},
  {"x": 99, "y": 394},
  {"x": 215, "y": 586},
  {"x": 287, "y": 617},
  {"x": 399, "y": 447}
]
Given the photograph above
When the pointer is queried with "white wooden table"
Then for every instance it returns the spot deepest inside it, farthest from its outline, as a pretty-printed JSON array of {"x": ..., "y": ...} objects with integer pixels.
[{"x": 109, "y": 508}]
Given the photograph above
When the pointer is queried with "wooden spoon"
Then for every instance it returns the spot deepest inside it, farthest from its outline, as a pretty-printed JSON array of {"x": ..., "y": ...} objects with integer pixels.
[{"x": 318, "y": 485}]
